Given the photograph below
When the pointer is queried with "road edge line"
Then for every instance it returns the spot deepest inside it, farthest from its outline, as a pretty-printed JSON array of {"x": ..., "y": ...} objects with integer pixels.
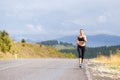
[{"x": 87, "y": 72}]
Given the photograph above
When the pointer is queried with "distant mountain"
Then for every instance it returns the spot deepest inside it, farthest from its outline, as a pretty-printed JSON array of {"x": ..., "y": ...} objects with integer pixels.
[
  {"x": 94, "y": 40},
  {"x": 55, "y": 42}
]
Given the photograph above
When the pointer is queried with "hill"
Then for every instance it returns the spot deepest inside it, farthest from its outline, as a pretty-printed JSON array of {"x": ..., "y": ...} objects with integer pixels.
[
  {"x": 94, "y": 40},
  {"x": 12, "y": 49},
  {"x": 58, "y": 44},
  {"x": 91, "y": 52},
  {"x": 34, "y": 51}
]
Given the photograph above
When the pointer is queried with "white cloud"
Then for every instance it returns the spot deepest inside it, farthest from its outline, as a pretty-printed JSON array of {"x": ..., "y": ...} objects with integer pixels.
[
  {"x": 36, "y": 28},
  {"x": 68, "y": 32},
  {"x": 102, "y": 19},
  {"x": 81, "y": 22},
  {"x": 105, "y": 17},
  {"x": 84, "y": 21},
  {"x": 51, "y": 13},
  {"x": 30, "y": 26}
]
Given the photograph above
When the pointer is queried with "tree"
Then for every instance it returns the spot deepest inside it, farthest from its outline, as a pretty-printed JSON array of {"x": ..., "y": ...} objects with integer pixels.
[
  {"x": 5, "y": 42},
  {"x": 23, "y": 41}
]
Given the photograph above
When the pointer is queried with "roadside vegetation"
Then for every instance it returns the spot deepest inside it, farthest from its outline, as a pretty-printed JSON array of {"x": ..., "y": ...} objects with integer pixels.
[
  {"x": 11, "y": 49},
  {"x": 112, "y": 61}
]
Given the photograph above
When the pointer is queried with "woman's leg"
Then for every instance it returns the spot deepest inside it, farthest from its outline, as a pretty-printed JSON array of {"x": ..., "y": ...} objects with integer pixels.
[
  {"x": 79, "y": 54},
  {"x": 83, "y": 52}
]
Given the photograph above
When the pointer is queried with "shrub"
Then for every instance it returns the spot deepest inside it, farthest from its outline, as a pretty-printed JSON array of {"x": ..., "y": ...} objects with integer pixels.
[
  {"x": 23, "y": 41},
  {"x": 5, "y": 41}
]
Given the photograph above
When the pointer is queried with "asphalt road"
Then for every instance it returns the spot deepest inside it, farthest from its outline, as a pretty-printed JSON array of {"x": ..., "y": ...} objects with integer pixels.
[{"x": 42, "y": 69}]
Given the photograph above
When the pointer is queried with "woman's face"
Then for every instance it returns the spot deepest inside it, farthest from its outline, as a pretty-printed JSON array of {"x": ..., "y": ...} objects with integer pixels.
[{"x": 81, "y": 32}]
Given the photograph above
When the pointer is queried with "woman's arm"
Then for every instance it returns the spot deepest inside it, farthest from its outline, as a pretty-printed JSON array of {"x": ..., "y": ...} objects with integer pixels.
[
  {"x": 77, "y": 41},
  {"x": 85, "y": 38}
]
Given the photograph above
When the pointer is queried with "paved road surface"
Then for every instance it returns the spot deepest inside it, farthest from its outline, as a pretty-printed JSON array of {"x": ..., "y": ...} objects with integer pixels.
[{"x": 41, "y": 69}]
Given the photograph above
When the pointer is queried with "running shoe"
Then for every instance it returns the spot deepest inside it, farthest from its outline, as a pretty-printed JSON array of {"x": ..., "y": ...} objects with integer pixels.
[{"x": 80, "y": 66}]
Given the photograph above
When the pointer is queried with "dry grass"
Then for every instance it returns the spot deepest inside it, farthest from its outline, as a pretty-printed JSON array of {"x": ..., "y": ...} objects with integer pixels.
[
  {"x": 33, "y": 51},
  {"x": 105, "y": 67},
  {"x": 113, "y": 61}
]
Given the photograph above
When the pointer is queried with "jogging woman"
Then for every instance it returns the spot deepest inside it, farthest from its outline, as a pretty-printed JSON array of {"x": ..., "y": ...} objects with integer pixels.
[{"x": 81, "y": 40}]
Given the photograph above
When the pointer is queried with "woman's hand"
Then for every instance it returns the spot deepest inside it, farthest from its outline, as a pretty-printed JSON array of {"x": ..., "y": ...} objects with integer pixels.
[
  {"x": 85, "y": 39},
  {"x": 77, "y": 42}
]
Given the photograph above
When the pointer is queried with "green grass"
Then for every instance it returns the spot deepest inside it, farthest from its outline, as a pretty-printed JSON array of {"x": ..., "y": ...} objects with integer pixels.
[{"x": 60, "y": 47}]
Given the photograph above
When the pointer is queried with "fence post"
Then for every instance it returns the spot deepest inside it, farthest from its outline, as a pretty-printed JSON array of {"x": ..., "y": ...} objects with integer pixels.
[{"x": 15, "y": 56}]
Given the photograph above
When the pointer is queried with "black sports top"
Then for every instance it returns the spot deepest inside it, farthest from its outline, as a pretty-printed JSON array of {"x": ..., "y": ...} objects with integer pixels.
[{"x": 81, "y": 39}]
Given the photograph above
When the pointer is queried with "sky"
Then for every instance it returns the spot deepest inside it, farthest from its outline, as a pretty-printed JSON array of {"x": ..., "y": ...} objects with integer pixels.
[{"x": 57, "y": 18}]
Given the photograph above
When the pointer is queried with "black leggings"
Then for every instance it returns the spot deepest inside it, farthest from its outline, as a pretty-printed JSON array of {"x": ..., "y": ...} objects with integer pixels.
[{"x": 81, "y": 51}]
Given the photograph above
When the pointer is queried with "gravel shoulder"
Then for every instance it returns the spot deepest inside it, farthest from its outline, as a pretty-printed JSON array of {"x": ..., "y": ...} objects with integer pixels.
[{"x": 100, "y": 71}]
